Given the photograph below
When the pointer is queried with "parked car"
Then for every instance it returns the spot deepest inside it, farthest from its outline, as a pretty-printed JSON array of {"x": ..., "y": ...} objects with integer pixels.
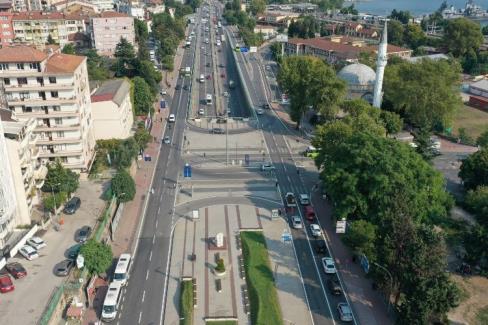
[
  {"x": 320, "y": 247},
  {"x": 28, "y": 252},
  {"x": 266, "y": 106},
  {"x": 36, "y": 242},
  {"x": 171, "y": 118},
  {"x": 16, "y": 270},
  {"x": 345, "y": 312},
  {"x": 259, "y": 111},
  {"x": 217, "y": 131},
  {"x": 83, "y": 234},
  {"x": 163, "y": 92},
  {"x": 6, "y": 284},
  {"x": 329, "y": 265},
  {"x": 315, "y": 230},
  {"x": 178, "y": 87},
  {"x": 167, "y": 140},
  {"x": 334, "y": 287},
  {"x": 296, "y": 222},
  {"x": 201, "y": 111},
  {"x": 267, "y": 166},
  {"x": 72, "y": 205},
  {"x": 73, "y": 251},
  {"x": 63, "y": 268}
]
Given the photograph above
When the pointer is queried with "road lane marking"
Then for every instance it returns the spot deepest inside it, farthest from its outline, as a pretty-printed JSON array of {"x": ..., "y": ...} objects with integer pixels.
[
  {"x": 159, "y": 209},
  {"x": 157, "y": 223},
  {"x": 140, "y": 316},
  {"x": 150, "y": 256},
  {"x": 147, "y": 274},
  {"x": 154, "y": 238},
  {"x": 143, "y": 295}
]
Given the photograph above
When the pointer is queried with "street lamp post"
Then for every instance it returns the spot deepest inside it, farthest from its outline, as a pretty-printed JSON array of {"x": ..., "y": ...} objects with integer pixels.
[
  {"x": 54, "y": 198},
  {"x": 391, "y": 285}
]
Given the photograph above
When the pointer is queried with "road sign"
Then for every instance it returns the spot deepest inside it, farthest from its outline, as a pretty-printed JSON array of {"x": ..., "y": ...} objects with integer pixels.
[
  {"x": 187, "y": 170},
  {"x": 286, "y": 236},
  {"x": 364, "y": 263},
  {"x": 341, "y": 226},
  {"x": 244, "y": 49}
]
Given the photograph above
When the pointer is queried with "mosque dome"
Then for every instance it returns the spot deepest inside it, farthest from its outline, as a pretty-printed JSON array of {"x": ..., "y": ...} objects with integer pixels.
[{"x": 357, "y": 74}]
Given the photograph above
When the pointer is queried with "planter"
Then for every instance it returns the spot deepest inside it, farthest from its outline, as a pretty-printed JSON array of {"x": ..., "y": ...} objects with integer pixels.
[{"x": 217, "y": 273}]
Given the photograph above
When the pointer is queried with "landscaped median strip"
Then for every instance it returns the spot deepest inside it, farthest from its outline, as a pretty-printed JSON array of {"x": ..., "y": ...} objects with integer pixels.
[
  {"x": 186, "y": 302},
  {"x": 265, "y": 307}
]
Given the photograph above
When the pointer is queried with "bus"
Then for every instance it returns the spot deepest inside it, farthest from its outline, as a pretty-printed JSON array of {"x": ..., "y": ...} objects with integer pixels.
[
  {"x": 121, "y": 273},
  {"x": 208, "y": 99},
  {"x": 111, "y": 302}
]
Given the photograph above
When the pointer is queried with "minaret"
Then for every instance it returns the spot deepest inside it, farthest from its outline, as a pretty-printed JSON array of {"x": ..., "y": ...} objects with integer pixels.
[{"x": 380, "y": 69}]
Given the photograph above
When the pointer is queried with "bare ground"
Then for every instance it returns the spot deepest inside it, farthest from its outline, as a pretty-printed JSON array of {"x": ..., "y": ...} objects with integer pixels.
[{"x": 476, "y": 290}]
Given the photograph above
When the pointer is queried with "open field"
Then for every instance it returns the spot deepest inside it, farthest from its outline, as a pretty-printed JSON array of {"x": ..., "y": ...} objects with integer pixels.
[
  {"x": 186, "y": 303},
  {"x": 265, "y": 307},
  {"x": 473, "y": 120}
]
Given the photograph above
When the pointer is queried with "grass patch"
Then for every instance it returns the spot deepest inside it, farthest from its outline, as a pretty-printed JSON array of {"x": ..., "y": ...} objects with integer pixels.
[
  {"x": 265, "y": 308},
  {"x": 473, "y": 120},
  {"x": 186, "y": 303},
  {"x": 482, "y": 316},
  {"x": 223, "y": 322}
]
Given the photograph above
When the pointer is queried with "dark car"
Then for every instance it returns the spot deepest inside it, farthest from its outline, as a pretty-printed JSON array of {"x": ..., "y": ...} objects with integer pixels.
[
  {"x": 83, "y": 234},
  {"x": 72, "y": 205},
  {"x": 266, "y": 106},
  {"x": 208, "y": 65},
  {"x": 334, "y": 287},
  {"x": 6, "y": 284},
  {"x": 221, "y": 120},
  {"x": 185, "y": 87},
  {"x": 177, "y": 87},
  {"x": 320, "y": 247},
  {"x": 73, "y": 251},
  {"x": 16, "y": 270},
  {"x": 217, "y": 131},
  {"x": 63, "y": 268}
]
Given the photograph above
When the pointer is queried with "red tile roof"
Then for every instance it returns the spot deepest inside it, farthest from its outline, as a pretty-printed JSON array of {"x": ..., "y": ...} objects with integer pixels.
[
  {"x": 20, "y": 54},
  {"x": 64, "y": 63},
  {"x": 112, "y": 14},
  {"x": 37, "y": 15}
]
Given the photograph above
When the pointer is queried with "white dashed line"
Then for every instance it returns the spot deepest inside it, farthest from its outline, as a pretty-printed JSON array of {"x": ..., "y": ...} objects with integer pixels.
[
  {"x": 147, "y": 274},
  {"x": 154, "y": 238},
  {"x": 157, "y": 223},
  {"x": 143, "y": 295},
  {"x": 150, "y": 256},
  {"x": 140, "y": 316},
  {"x": 159, "y": 209}
]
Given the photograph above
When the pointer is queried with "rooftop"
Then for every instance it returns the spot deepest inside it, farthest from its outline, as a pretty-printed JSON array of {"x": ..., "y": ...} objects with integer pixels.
[
  {"x": 111, "y": 90},
  {"x": 63, "y": 63},
  {"x": 481, "y": 84},
  {"x": 21, "y": 54},
  {"x": 112, "y": 14},
  {"x": 434, "y": 57}
]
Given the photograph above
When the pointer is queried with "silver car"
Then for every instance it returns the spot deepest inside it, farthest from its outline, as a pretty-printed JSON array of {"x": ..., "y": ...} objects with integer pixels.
[
  {"x": 345, "y": 312},
  {"x": 296, "y": 222}
]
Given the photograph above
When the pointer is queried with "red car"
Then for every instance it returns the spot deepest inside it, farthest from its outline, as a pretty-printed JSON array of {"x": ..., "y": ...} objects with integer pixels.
[
  {"x": 6, "y": 284},
  {"x": 16, "y": 270}
]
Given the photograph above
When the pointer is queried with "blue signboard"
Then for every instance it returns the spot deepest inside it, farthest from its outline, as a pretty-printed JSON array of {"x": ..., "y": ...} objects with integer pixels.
[
  {"x": 286, "y": 237},
  {"x": 244, "y": 49},
  {"x": 162, "y": 104},
  {"x": 187, "y": 170}
]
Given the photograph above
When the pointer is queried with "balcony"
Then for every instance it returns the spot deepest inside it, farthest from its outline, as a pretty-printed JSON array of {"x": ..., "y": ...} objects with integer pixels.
[
  {"x": 58, "y": 127},
  {"x": 63, "y": 153},
  {"x": 40, "y": 172},
  {"x": 48, "y": 113},
  {"x": 40, "y": 101},
  {"x": 46, "y": 141},
  {"x": 43, "y": 86}
]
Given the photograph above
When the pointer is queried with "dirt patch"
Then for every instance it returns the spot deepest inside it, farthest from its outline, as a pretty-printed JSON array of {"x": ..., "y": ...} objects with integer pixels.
[{"x": 475, "y": 291}]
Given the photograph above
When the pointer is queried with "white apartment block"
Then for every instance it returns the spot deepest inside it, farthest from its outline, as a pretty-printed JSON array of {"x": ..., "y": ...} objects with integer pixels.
[
  {"x": 103, "y": 5},
  {"x": 34, "y": 27},
  {"x": 27, "y": 171},
  {"x": 109, "y": 28},
  {"x": 26, "y": 5},
  {"x": 53, "y": 89}
]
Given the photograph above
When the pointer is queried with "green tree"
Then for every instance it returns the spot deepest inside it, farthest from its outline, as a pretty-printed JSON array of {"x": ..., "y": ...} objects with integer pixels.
[
  {"x": 309, "y": 82},
  {"x": 361, "y": 236},
  {"x": 123, "y": 186},
  {"x": 50, "y": 202},
  {"x": 142, "y": 138},
  {"x": 393, "y": 122},
  {"x": 96, "y": 66},
  {"x": 68, "y": 49},
  {"x": 484, "y": 30},
  {"x": 349, "y": 10},
  {"x": 143, "y": 97},
  {"x": 152, "y": 76},
  {"x": 424, "y": 143},
  {"x": 50, "y": 40},
  {"x": 422, "y": 93},
  {"x": 482, "y": 140},
  {"x": 395, "y": 32},
  {"x": 60, "y": 179},
  {"x": 414, "y": 36},
  {"x": 474, "y": 170},
  {"x": 257, "y": 7},
  {"x": 402, "y": 16},
  {"x": 124, "y": 52},
  {"x": 477, "y": 201},
  {"x": 462, "y": 35},
  {"x": 98, "y": 256},
  {"x": 140, "y": 28},
  {"x": 476, "y": 245}
]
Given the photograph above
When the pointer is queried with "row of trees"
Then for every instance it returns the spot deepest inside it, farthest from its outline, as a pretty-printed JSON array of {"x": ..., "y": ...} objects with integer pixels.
[
  {"x": 246, "y": 23},
  {"x": 59, "y": 184},
  {"x": 391, "y": 198},
  {"x": 168, "y": 32}
]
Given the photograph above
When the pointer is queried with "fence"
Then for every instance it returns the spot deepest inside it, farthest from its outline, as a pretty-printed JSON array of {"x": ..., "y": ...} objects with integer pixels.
[{"x": 107, "y": 214}]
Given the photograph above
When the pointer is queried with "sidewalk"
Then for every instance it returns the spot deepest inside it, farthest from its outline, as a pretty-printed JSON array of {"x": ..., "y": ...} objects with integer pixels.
[{"x": 126, "y": 230}]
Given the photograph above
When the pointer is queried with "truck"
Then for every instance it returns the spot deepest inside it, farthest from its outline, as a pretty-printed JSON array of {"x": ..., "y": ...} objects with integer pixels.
[
  {"x": 187, "y": 71},
  {"x": 290, "y": 200},
  {"x": 222, "y": 38}
]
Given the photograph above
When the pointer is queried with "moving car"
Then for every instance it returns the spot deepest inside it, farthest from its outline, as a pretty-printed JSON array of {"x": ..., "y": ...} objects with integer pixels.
[
  {"x": 36, "y": 243},
  {"x": 167, "y": 140},
  {"x": 304, "y": 199},
  {"x": 177, "y": 87},
  {"x": 63, "y": 268},
  {"x": 345, "y": 312},
  {"x": 6, "y": 284},
  {"x": 72, "y": 205},
  {"x": 329, "y": 265},
  {"x": 226, "y": 94},
  {"x": 267, "y": 166},
  {"x": 320, "y": 247},
  {"x": 309, "y": 213},
  {"x": 290, "y": 200},
  {"x": 28, "y": 252},
  {"x": 334, "y": 287},
  {"x": 259, "y": 111},
  {"x": 201, "y": 111},
  {"x": 296, "y": 222},
  {"x": 16, "y": 270},
  {"x": 171, "y": 118},
  {"x": 266, "y": 106},
  {"x": 185, "y": 87},
  {"x": 315, "y": 230},
  {"x": 83, "y": 234}
]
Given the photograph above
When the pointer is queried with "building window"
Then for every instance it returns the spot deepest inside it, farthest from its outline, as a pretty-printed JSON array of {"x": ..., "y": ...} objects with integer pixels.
[
  {"x": 35, "y": 65},
  {"x": 6, "y": 81},
  {"x": 52, "y": 80},
  {"x": 64, "y": 159},
  {"x": 56, "y": 108},
  {"x": 20, "y": 66},
  {"x": 60, "y": 134},
  {"x": 24, "y": 95},
  {"x": 26, "y": 109},
  {"x": 58, "y": 121},
  {"x": 22, "y": 81},
  {"x": 3, "y": 66},
  {"x": 54, "y": 94}
]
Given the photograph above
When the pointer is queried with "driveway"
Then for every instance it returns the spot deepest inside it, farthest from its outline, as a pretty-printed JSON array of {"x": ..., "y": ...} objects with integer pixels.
[{"x": 27, "y": 302}]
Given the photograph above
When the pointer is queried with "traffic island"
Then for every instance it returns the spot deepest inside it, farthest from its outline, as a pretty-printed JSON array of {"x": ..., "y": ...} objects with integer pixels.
[
  {"x": 264, "y": 304},
  {"x": 186, "y": 302}
]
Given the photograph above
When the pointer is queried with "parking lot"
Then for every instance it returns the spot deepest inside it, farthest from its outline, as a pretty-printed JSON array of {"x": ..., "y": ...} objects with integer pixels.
[{"x": 26, "y": 303}]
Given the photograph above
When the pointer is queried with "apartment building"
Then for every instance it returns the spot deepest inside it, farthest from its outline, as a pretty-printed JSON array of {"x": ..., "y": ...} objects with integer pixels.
[
  {"x": 35, "y": 27},
  {"x": 109, "y": 28},
  {"x": 103, "y": 5},
  {"x": 112, "y": 110},
  {"x": 28, "y": 173},
  {"x": 52, "y": 88},
  {"x": 6, "y": 29}
]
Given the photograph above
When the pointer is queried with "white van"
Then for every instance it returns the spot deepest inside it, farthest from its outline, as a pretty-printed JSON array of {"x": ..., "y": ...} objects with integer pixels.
[
  {"x": 121, "y": 273},
  {"x": 111, "y": 302}
]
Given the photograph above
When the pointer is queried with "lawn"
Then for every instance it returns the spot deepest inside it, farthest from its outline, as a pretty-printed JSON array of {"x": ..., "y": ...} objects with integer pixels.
[
  {"x": 186, "y": 303},
  {"x": 473, "y": 120},
  {"x": 265, "y": 308}
]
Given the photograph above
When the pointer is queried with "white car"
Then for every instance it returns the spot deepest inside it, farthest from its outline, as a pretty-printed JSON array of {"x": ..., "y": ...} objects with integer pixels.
[
  {"x": 226, "y": 94},
  {"x": 267, "y": 167},
  {"x": 296, "y": 222},
  {"x": 315, "y": 230},
  {"x": 329, "y": 265},
  {"x": 167, "y": 140},
  {"x": 304, "y": 199},
  {"x": 163, "y": 92},
  {"x": 36, "y": 243},
  {"x": 259, "y": 111},
  {"x": 201, "y": 111},
  {"x": 171, "y": 118},
  {"x": 28, "y": 252}
]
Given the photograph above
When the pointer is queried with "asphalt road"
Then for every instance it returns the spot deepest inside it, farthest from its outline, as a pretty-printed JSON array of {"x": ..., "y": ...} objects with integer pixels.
[{"x": 143, "y": 300}]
